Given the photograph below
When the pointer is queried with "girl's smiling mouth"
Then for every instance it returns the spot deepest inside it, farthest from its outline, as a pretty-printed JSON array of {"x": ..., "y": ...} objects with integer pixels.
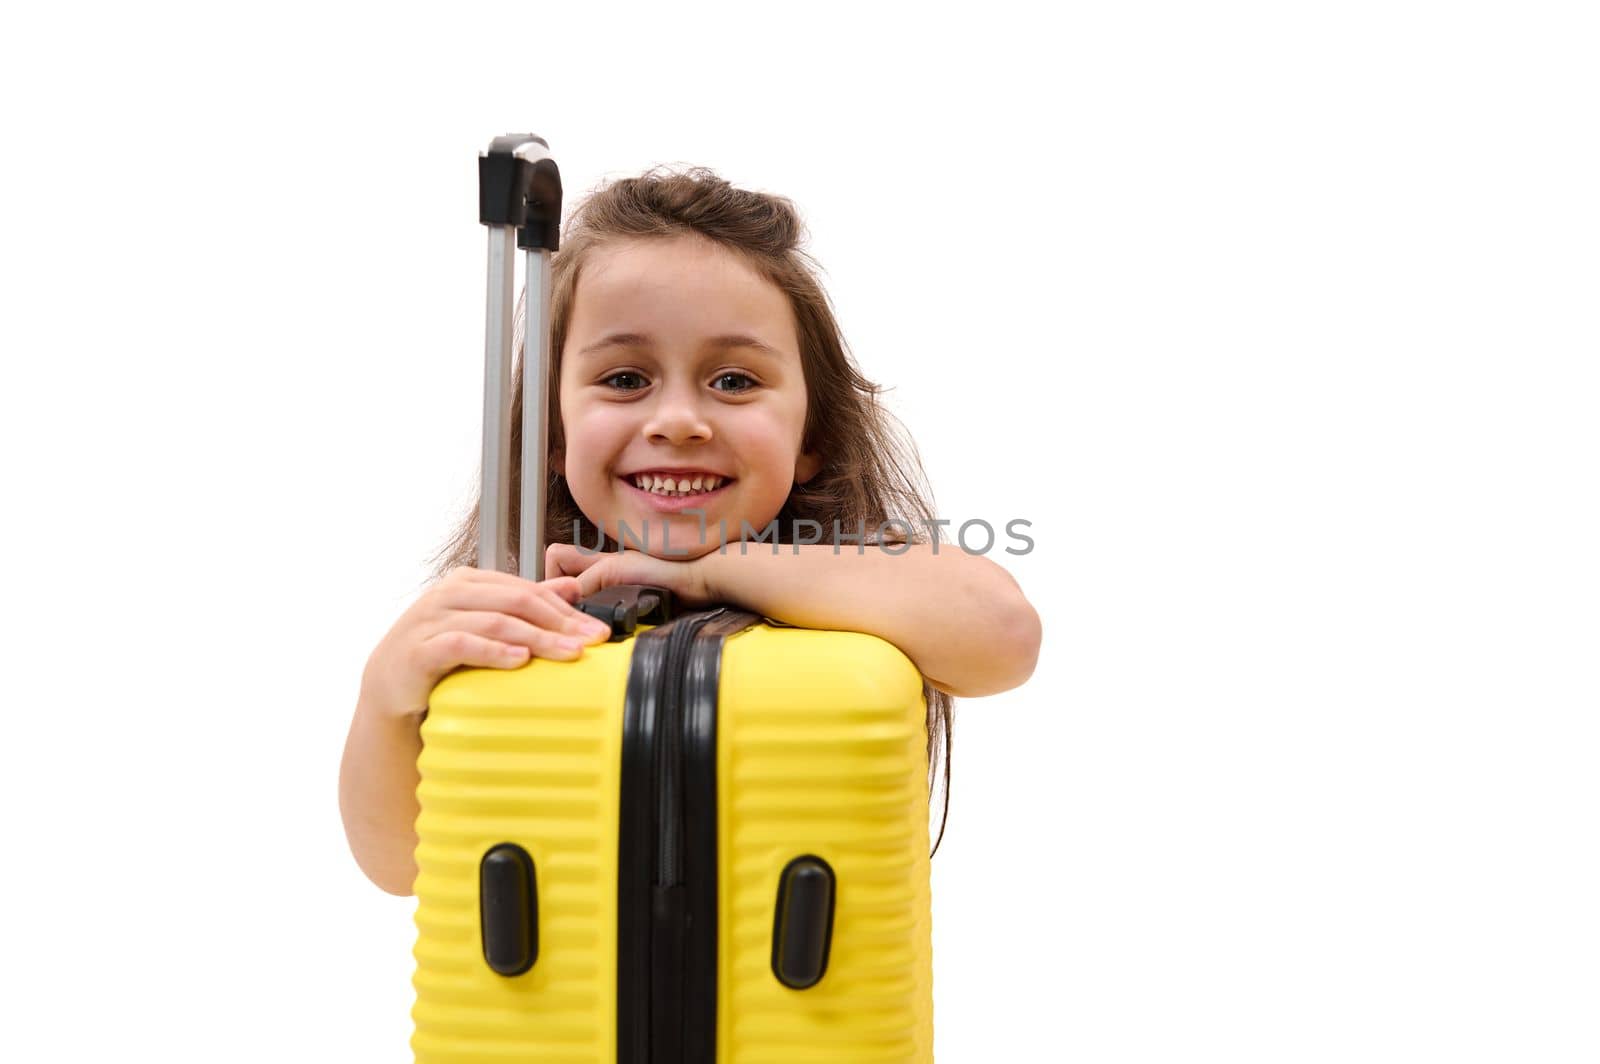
[{"x": 674, "y": 490}]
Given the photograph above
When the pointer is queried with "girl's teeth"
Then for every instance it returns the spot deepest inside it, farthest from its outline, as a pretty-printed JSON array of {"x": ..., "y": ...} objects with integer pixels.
[{"x": 676, "y": 486}]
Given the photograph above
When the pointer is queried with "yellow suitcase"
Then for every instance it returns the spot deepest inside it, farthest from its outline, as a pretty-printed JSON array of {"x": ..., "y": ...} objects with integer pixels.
[{"x": 704, "y": 842}]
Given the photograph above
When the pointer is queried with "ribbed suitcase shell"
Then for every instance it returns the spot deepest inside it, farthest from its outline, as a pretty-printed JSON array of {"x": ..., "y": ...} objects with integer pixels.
[{"x": 820, "y": 750}]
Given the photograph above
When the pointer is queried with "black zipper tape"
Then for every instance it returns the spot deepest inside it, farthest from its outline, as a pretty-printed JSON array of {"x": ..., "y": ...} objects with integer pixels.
[
  {"x": 667, "y": 885},
  {"x": 702, "y": 676}
]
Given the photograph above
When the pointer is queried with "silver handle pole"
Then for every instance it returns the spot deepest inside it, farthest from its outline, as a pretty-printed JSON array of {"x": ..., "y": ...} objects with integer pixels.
[
  {"x": 535, "y": 407},
  {"x": 494, "y": 515},
  {"x": 519, "y": 199}
]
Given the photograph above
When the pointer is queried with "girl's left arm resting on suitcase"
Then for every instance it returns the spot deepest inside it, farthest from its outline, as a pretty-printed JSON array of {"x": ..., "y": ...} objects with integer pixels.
[{"x": 962, "y": 619}]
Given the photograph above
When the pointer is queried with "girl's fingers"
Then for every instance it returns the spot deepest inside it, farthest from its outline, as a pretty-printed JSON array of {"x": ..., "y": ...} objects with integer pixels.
[
  {"x": 442, "y": 652},
  {"x": 547, "y": 604},
  {"x": 469, "y": 646},
  {"x": 469, "y": 574},
  {"x": 466, "y": 575},
  {"x": 564, "y": 559},
  {"x": 544, "y": 642},
  {"x": 565, "y": 587}
]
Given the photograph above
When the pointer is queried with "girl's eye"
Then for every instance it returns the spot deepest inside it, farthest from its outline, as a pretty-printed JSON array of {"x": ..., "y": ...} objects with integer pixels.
[
  {"x": 625, "y": 381},
  {"x": 738, "y": 382}
]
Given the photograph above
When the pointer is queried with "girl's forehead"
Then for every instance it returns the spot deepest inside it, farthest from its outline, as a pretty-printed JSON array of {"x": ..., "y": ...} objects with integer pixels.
[{"x": 679, "y": 283}]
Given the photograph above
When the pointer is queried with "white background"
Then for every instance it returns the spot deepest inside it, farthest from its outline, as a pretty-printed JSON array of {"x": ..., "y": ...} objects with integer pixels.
[{"x": 1278, "y": 321}]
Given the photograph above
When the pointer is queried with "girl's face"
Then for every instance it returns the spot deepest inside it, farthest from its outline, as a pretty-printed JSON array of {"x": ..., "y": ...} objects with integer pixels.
[{"x": 681, "y": 389}]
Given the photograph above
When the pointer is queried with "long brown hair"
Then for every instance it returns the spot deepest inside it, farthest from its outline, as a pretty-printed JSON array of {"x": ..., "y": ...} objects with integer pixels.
[{"x": 870, "y": 473}]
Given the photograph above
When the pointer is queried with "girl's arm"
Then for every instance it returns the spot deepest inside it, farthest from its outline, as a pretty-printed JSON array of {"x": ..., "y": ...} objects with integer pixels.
[
  {"x": 470, "y": 617},
  {"x": 378, "y": 793},
  {"x": 959, "y": 617}
]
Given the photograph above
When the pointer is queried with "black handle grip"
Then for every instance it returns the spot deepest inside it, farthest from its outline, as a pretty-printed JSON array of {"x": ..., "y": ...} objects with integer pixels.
[
  {"x": 519, "y": 184},
  {"x": 627, "y": 605}
]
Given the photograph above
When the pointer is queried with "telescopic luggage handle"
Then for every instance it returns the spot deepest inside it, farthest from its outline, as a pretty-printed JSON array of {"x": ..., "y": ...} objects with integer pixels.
[{"x": 519, "y": 197}]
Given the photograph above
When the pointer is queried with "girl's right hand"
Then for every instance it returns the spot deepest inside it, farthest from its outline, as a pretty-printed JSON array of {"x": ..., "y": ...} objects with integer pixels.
[{"x": 474, "y": 617}]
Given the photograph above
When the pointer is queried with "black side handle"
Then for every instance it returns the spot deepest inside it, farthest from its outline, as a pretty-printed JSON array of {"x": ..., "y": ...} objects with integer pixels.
[
  {"x": 508, "y": 908},
  {"x": 625, "y": 606},
  {"x": 802, "y": 930}
]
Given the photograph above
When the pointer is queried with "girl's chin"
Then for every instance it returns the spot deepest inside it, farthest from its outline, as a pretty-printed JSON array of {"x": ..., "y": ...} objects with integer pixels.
[
  {"x": 675, "y": 553},
  {"x": 674, "y": 536}
]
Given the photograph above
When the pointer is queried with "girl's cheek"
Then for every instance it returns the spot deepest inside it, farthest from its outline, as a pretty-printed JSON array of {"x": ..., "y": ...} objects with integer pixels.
[{"x": 604, "y": 423}]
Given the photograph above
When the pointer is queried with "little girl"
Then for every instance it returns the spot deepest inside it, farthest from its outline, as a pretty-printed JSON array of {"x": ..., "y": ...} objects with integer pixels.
[{"x": 701, "y": 397}]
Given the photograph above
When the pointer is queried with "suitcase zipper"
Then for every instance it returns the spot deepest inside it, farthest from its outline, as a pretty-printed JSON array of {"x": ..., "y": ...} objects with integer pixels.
[
  {"x": 651, "y": 920},
  {"x": 667, "y": 918},
  {"x": 669, "y": 729}
]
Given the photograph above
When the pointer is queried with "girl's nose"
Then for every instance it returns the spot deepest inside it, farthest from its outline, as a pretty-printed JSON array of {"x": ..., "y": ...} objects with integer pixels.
[{"x": 676, "y": 419}]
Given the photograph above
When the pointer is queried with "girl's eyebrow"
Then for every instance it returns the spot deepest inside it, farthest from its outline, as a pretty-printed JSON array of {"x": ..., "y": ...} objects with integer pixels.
[{"x": 629, "y": 339}]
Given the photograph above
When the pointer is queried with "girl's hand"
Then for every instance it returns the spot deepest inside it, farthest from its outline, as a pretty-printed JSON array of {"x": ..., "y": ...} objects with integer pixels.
[
  {"x": 474, "y": 617},
  {"x": 686, "y": 579}
]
